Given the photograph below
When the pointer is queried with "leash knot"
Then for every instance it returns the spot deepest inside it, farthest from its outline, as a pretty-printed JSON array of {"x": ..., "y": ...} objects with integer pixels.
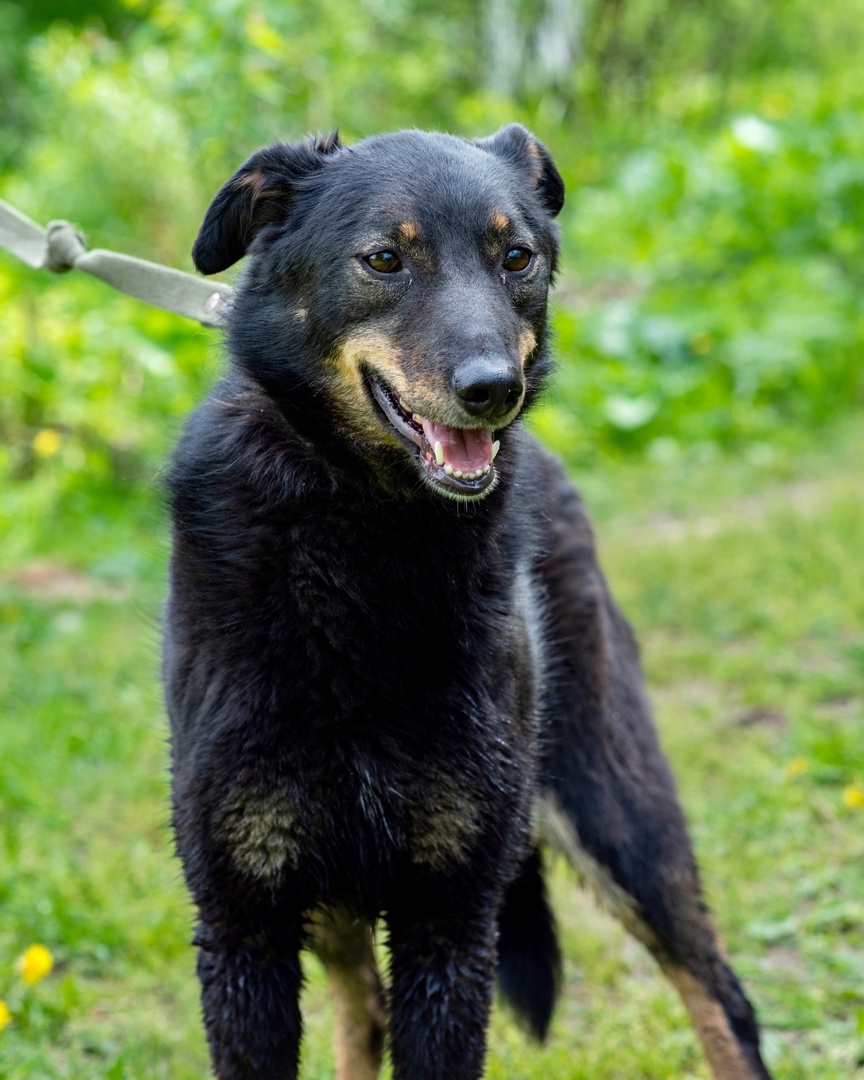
[{"x": 65, "y": 245}]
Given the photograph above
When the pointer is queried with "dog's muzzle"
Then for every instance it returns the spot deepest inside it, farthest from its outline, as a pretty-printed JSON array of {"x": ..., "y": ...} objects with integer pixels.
[{"x": 456, "y": 461}]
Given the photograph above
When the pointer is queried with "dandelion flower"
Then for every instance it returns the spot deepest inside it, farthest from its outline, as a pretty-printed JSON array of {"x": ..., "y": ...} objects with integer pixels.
[
  {"x": 35, "y": 964},
  {"x": 5, "y": 1015},
  {"x": 796, "y": 767},
  {"x": 853, "y": 797},
  {"x": 46, "y": 443}
]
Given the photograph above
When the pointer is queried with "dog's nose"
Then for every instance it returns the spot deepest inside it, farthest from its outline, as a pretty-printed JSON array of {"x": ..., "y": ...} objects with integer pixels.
[{"x": 488, "y": 388}]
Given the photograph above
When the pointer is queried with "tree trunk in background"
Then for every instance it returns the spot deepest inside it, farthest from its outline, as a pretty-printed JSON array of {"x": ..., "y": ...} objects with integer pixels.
[
  {"x": 532, "y": 49},
  {"x": 505, "y": 46}
]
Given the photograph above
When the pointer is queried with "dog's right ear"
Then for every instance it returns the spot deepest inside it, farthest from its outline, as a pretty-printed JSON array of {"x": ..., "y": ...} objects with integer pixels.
[{"x": 256, "y": 196}]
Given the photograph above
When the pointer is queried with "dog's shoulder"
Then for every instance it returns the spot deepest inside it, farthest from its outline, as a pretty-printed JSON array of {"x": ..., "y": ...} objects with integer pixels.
[
  {"x": 237, "y": 453},
  {"x": 545, "y": 504}
]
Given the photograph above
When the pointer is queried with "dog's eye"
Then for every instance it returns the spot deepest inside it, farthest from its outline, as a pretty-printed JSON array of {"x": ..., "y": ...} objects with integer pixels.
[
  {"x": 517, "y": 258},
  {"x": 384, "y": 262}
]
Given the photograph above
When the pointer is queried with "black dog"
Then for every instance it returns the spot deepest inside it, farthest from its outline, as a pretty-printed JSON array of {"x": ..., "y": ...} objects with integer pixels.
[{"x": 392, "y": 664}]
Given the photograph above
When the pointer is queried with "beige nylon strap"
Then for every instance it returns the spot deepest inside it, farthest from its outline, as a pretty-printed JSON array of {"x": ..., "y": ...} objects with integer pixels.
[{"x": 60, "y": 248}]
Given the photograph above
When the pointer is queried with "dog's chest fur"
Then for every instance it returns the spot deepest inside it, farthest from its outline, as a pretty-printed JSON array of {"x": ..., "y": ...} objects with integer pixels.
[{"x": 396, "y": 662}]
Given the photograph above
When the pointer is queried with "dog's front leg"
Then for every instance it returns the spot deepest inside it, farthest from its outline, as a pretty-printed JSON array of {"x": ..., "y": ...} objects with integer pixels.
[
  {"x": 442, "y": 972},
  {"x": 250, "y": 984}
]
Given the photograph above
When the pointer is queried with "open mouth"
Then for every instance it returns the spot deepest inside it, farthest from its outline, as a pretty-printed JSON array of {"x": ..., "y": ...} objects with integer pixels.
[{"x": 458, "y": 461}]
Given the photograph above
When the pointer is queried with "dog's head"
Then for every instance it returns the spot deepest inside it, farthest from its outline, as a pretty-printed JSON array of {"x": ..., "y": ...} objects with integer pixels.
[{"x": 400, "y": 285}]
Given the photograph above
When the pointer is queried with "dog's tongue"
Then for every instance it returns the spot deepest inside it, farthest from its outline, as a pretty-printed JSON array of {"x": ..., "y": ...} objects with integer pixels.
[{"x": 467, "y": 449}]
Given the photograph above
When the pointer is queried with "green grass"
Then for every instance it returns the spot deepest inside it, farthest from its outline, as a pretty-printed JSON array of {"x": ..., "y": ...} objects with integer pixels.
[{"x": 746, "y": 583}]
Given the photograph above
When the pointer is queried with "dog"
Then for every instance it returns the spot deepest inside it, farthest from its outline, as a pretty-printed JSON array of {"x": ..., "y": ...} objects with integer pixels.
[{"x": 394, "y": 671}]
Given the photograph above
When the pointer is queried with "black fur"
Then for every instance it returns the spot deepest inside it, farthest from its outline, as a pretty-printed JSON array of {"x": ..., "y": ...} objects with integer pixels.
[
  {"x": 529, "y": 959},
  {"x": 374, "y": 669}
]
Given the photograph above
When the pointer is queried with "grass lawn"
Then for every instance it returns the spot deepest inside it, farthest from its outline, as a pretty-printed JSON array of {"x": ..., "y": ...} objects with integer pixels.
[{"x": 746, "y": 584}]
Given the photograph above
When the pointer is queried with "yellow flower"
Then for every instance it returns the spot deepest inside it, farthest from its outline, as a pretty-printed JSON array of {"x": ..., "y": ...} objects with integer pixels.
[
  {"x": 796, "y": 767},
  {"x": 5, "y": 1015},
  {"x": 853, "y": 797},
  {"x": 34, "y": 964},
  {"x": 46, "y": 443}
]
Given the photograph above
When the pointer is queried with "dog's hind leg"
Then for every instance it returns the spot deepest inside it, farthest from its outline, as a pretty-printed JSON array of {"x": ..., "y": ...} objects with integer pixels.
[
  {"x": 610, "y": 803},
  {"x": 663, "y": 908},
  {"x": 344, "y": 947}
]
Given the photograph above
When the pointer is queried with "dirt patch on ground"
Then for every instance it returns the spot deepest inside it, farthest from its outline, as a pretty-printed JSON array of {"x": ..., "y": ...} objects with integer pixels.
[{"x": 48, "y": 580}]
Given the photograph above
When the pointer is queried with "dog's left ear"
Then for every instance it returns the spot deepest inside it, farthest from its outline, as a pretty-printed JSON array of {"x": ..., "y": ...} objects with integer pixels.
[
  {"x": 518, "y": 147},
  {"x": 257, "y": 195}
]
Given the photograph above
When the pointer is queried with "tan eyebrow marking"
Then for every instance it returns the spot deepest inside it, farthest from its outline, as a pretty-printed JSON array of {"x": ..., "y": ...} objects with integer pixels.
[
  {"x": 408, "y": 230},
  {"x": 500, "y": 221}
]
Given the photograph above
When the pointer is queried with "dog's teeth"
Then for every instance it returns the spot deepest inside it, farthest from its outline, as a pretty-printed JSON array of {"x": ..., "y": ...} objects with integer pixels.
[
  {"x": 417, "y": 419},
  {"x": 448, "y": 469},
  {"x": 439, "y": 453},
  {"x": 457, "y": 473},
  {"x": 486, "y": 469},
  {"x": 496, "y": 446}
]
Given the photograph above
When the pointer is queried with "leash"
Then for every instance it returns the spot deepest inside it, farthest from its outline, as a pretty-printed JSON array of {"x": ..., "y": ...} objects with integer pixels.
[{"x": 60, "y": 247}]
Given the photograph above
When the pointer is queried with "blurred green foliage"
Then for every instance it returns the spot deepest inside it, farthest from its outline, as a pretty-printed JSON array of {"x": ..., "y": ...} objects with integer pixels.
[
  {"x": 714, "y": 156},
  {"x": 723, "y": 278}
]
